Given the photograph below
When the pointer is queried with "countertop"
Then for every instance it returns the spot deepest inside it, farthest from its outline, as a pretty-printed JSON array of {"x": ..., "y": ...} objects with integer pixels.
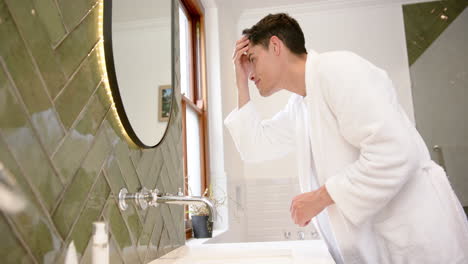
[{"x": 280, "y": 252}]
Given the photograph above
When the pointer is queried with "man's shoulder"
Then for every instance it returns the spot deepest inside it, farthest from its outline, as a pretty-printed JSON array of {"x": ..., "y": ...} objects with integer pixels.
[
  {"x": 341, "y": 60},
  {"x": 338, "y": 56}
]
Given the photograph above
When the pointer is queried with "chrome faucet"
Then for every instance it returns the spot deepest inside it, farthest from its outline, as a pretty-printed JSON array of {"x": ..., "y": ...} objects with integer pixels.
[{"x": 146, "y": 198}]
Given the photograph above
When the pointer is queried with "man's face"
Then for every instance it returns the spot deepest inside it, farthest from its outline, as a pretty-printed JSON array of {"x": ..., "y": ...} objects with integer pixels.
[{"x": 265, "y": 69}]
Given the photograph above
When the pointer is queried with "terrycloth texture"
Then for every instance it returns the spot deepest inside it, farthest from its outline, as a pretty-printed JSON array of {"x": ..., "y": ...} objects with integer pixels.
[
  {"x": 271, "y": 139},
  {"x": 393, "y": 205}
]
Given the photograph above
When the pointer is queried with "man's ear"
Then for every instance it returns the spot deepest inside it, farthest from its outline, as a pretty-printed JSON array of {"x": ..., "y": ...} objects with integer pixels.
[{"x": 276, "y": 45}]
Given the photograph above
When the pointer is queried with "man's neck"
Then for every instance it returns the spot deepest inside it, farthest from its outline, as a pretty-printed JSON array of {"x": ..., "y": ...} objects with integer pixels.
[{"x": 295, "y": 80}]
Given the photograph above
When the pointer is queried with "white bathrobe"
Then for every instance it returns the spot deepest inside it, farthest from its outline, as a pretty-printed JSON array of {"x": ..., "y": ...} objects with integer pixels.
[{"x": 392, "y": 203}]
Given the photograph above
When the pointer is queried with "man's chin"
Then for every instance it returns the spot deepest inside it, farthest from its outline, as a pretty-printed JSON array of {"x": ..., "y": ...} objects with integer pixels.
[{"x": 264, "y": 93}]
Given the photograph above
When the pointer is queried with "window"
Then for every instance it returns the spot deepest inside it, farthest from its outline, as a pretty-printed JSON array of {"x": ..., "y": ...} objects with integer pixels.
[{"x": 194, "y": 107}]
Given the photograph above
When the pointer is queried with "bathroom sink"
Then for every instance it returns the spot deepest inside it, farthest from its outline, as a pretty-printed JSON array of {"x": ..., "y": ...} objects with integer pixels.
[
  {"x": 234, "y": 253},
  {"x": 239, "y": 260},
  {"x": 277, "y": 252}
]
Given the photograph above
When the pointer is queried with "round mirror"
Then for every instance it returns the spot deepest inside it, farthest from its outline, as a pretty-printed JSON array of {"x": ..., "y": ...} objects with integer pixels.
[{"x": 138, "y": 51}]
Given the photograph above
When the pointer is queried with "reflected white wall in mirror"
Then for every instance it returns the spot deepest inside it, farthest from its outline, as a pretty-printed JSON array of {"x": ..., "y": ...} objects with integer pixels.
[{"x": 142, "y": 50}]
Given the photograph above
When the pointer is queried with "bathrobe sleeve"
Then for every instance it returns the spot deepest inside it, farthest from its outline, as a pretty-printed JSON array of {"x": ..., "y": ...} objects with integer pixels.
[
  {"x": 363, "y": 100},
  {"x": 260, "y": 140}
]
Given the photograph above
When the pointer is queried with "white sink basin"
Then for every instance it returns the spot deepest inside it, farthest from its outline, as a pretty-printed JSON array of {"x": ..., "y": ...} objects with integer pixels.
[
  {"x": 278, "y": 252},
  {"x": 265, "y": 260}
]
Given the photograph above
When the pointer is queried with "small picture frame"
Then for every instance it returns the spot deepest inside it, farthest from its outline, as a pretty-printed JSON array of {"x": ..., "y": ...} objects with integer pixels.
[{"x": 165, "y": 102}]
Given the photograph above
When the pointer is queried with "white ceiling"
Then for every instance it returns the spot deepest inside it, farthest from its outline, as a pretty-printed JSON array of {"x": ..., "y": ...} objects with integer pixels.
[
  {"x": 125, "y": 11},
  {"x": 247, "y": 5}
]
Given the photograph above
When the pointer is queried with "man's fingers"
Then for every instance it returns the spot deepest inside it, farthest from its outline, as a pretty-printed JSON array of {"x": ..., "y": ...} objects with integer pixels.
[
  {"x": 236, "y": 51},
  {"x": 239, "y": 53},
  {"x": 293, "y": 215},
  {"x": 297, "y": 217},
  {"x": 293, "y": 201},
  {"x": 240, "y": 46},
  {"x": 303, "y": 223}
]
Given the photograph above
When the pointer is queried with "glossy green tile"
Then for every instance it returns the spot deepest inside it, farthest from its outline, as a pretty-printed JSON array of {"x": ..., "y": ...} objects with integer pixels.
[
  {"x": 164, "y": 246},
  {"x": 144, "y": 166},
  {"x": 32, "y": 221},
  {"x": 114, "y": 132},
  {"x": 155, "y": 239},
  {"x": 31, "y": 25},
  {"x": 76, "y": 94},
  {"x": 49, "y": 14},
  {"x": 164, "y": 177},
  {"x": 24, "y": 145},
  {"x": 114, "y": 254},
  {"x": 147, "y": 231},
  {"x": 77, "y": 192},
  {"x": 74, "y": 11},
  {"x": 11, "y": 165},
  {"x": 116, "y": 181},
  {"x": 12, "y": 251},
  {"x": 169, "y": 223},
  {"x": 151, "y": 254},
  {"x": 173, "y": 215},
  {"x": 111, "y": 133},
  {"x": 127, "y": 170},
  {"x": 133, "y": 222},
  {"x": 425, "y": 22},
  {"x": 10, "y": 103},
  {"x": 33, "y": 224},
  {"x": 29, "y": 59},
  {"x": 136, "y": 155},
  {"x": 47, "y": 125},
  {"x": 126, "y": 166},
  {"x": 118, "y": 228},
  {"x": 177, "y": 213},
  {"x": 24, "y": 76},
  {"x": 114, "y": 176},
  {"x": 95, "y": 113},
  {"x": 68, "y": 157},
  {"x": 120, "y": 232},
  {"x": 87, "y": 257},
  {"x": 168, "y": 154},
  {"x": 83, "y": 228},
  {"x": 104, "y": 98},
  {"x": 153, "y": 176},
  {"x": 19, "y": 64},
  {"x": 74, "y": 49}
]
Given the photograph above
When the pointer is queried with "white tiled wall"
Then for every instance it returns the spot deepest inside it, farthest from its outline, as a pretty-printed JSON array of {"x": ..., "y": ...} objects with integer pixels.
[{"x": 267, "y": 209}]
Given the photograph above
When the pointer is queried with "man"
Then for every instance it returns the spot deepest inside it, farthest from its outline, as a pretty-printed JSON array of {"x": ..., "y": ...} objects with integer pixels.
[{"x": 364, "y": 170}]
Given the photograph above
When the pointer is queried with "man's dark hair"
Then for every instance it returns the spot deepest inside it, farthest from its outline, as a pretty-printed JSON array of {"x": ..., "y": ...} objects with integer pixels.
[{"x": 281, "y": 25}]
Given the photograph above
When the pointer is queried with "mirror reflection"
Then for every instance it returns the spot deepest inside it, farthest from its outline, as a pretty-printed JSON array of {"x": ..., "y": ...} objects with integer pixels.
[{"x": 142, "y": 56}]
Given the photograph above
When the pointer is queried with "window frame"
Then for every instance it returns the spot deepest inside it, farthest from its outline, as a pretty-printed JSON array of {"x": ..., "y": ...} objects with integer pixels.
[{"x": 197, "y": 100}]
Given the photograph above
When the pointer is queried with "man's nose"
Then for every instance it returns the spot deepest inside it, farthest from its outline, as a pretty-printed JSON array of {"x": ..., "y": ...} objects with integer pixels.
[{"x": 251, "y": 76}]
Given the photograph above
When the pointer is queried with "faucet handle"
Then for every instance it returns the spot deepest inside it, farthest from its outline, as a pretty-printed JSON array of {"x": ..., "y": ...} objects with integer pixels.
[
  {"x": 140, "y": 198},
  {"x": 180, "y": 193},
  {"x": 154, "y": 198},
  {"x": 122, "y": 199}
]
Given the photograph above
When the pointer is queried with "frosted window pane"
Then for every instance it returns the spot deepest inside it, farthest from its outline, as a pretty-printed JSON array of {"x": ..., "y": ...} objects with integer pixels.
[
  {"x": 184, "y": 54},
  {"x": 193, "y": 152}
]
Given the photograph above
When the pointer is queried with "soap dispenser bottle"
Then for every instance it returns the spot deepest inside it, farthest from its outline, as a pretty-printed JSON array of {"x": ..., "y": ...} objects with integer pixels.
[{"x": 100, "y": 244}]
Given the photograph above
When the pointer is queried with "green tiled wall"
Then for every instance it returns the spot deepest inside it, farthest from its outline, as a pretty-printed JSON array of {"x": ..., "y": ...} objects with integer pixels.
[
  {"x": 57, "y": 137},
  {"x": 424, "y": 22}
]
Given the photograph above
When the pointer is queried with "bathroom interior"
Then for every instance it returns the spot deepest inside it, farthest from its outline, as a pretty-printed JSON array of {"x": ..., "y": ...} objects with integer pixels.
[{"x": 111, "y": 123}]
